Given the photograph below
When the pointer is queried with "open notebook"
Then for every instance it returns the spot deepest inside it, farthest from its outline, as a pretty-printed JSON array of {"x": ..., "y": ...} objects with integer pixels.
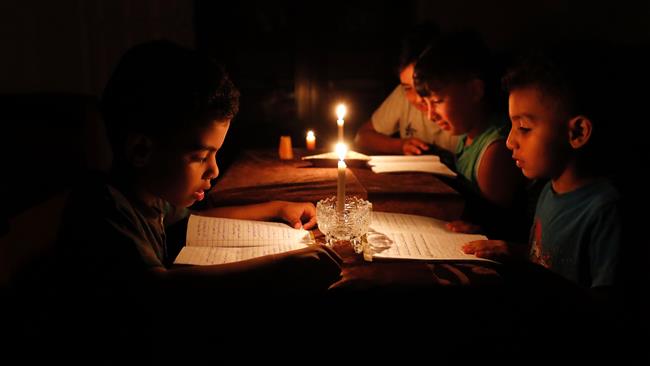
[
  {"x": 212, "y": 240},
  {"x": 409, "y": 163},
  {"x": 395, "y": 235}
]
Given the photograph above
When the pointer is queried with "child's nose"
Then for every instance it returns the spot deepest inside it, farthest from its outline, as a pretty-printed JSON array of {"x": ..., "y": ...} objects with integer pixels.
[
  {"x": 213, "y": 169},
  {"x": 510, "y": 141},
  {"x": 430, "y": 112},
  {"x": 432, "y": 115}
]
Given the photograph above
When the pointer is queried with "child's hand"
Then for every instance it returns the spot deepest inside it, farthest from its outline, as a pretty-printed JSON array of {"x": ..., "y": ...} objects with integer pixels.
[
  {"x": 315, "y": 267},
  {"x": 490, "y": 249},
  {"x": 414, "y": 146},
  {"x": 295, "y": 213},
  {"x": 460, "y": 226}
]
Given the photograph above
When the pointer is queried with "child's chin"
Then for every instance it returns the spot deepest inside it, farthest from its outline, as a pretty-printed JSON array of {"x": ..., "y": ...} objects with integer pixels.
[
  {"x": 184, "y": 203},
  {"x": 528, "y": 174}
]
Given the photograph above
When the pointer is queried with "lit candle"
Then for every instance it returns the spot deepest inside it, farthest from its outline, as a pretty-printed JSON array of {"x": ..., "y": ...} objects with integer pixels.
[
  {"x": 341, "y": 150},
  {"x": 340, "y": 113},
  {"x": 311, "y": 140}
]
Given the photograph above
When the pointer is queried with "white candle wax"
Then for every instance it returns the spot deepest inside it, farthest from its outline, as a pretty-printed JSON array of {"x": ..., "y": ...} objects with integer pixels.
[{"x": 340, "y": 187}]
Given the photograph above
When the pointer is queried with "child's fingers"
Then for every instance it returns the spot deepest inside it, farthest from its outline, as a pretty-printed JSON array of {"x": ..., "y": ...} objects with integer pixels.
[
  {"x": 420, "y": 144},
  {"x": 469, "y": 248},
  {"x": 460, "y": 226},
  {"x": 310, "y": 224},
  {"x": 333, "y": 254},
  {"x": 412, "y": 150},
  {"x": 473, "y": 247}
]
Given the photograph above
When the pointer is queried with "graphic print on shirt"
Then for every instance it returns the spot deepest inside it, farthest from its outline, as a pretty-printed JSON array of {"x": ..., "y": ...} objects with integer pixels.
[
  {"x": 410, "y": 131},
  {"x": 537, "y": 254}
]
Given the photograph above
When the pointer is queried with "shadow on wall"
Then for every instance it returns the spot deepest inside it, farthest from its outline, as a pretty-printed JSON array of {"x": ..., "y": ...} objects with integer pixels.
[{"x": 48, "y": 141}]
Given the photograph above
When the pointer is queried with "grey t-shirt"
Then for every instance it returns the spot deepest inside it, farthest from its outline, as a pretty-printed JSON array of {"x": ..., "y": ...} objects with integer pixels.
[
  {"x": 397, "y": 114},
  {"x": 110, "y": 240}
]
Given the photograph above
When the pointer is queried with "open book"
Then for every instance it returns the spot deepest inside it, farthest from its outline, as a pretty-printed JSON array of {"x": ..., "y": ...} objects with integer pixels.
[
  {"x": 212, "y": 240},
  {"x": 409, "y": 163},
  {"x": 416, "y": 237}
]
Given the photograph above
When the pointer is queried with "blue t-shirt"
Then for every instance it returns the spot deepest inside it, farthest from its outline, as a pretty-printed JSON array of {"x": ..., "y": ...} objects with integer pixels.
[{"x": 578, "y": 234}]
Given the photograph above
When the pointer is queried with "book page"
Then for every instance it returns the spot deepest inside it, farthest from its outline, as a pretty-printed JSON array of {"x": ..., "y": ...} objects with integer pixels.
[
  {"x": 393, "y": 222},
  {"x": 212, "y": 240},
  {"x": 220, "y": 232},
  {"x": 215, "y": 255},
  {"x": 379, "y": 159},
  {"x": 433, "y": 167},
  {"x": 429, "y": 246},
  {"x": 416, "y": 237}
]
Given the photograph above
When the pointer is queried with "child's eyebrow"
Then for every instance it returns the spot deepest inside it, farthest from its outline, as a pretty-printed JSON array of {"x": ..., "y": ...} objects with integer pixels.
[
  {"x": 524, "y": 116},
  {"x": 203, "y": 147}
]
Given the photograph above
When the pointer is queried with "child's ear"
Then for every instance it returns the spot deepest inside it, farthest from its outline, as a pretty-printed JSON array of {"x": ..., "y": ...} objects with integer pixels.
[
  {"x": 580, "y": 129},
  {"x": 138, "y": 149},
  {"x": 477, "y": 88}
]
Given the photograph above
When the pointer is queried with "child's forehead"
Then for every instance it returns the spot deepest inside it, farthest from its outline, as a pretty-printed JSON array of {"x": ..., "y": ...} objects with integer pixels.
[
  {"x": 204, "y": 137},
  {"x": 537, "y": 93},
  {"x": 182, "y": 139}
]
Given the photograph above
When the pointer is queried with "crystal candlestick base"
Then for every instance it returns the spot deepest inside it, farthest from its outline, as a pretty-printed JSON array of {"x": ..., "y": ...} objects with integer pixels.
[{"x": 351, "y": 224}]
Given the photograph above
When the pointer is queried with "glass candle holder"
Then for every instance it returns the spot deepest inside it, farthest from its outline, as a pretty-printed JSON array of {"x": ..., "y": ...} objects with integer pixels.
[{"x": 351, "y": 224}]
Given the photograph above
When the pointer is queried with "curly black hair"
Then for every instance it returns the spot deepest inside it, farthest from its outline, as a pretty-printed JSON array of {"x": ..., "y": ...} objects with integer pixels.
[
  {"x": 415, "y": 41},
  {"x": 576, "y": 75},
  {"x": 160, "y": 88},
  {"x": 453, "y": 57},
  {"x": 579, "y": 78}
]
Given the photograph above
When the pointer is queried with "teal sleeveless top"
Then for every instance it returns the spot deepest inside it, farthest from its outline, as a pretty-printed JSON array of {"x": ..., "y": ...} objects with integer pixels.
[{"x": 468, "y": 158}]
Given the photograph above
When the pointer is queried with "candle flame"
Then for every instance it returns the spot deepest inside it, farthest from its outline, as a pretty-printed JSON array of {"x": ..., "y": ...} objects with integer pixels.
[
  {"x": 340, "y": 111},
  {"x": 341, "y": 150},
  {"x": 310, "y": 134}
]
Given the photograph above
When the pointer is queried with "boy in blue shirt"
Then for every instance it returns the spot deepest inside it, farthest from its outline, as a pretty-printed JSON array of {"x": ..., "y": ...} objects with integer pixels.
[{"x": 558, "y": 127}]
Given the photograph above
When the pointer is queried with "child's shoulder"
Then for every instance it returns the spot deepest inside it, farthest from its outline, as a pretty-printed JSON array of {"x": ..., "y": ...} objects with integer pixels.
[
  {"x": 596, "y": 195},
  {"x": 95, "y": 196},
  {"x": 604, "y": 192}
]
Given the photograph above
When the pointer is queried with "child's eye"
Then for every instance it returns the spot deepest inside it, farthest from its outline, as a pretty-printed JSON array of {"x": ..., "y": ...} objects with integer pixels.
[
  {"x": 523, "y": 129},
  {"x": 200, "y": 159}
]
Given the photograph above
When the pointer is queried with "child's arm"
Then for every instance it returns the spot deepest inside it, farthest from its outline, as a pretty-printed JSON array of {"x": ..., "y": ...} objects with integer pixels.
[
  {"x": 498, "y": 176},
  {"x": 369, "y": 140},
  {"x": 313, "y": 268},
  {"x": 294, "y": 213}
]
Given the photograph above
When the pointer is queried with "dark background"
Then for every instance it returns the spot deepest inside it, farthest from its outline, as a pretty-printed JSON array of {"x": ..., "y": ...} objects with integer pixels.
[{"x": 293, "y": 61}]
